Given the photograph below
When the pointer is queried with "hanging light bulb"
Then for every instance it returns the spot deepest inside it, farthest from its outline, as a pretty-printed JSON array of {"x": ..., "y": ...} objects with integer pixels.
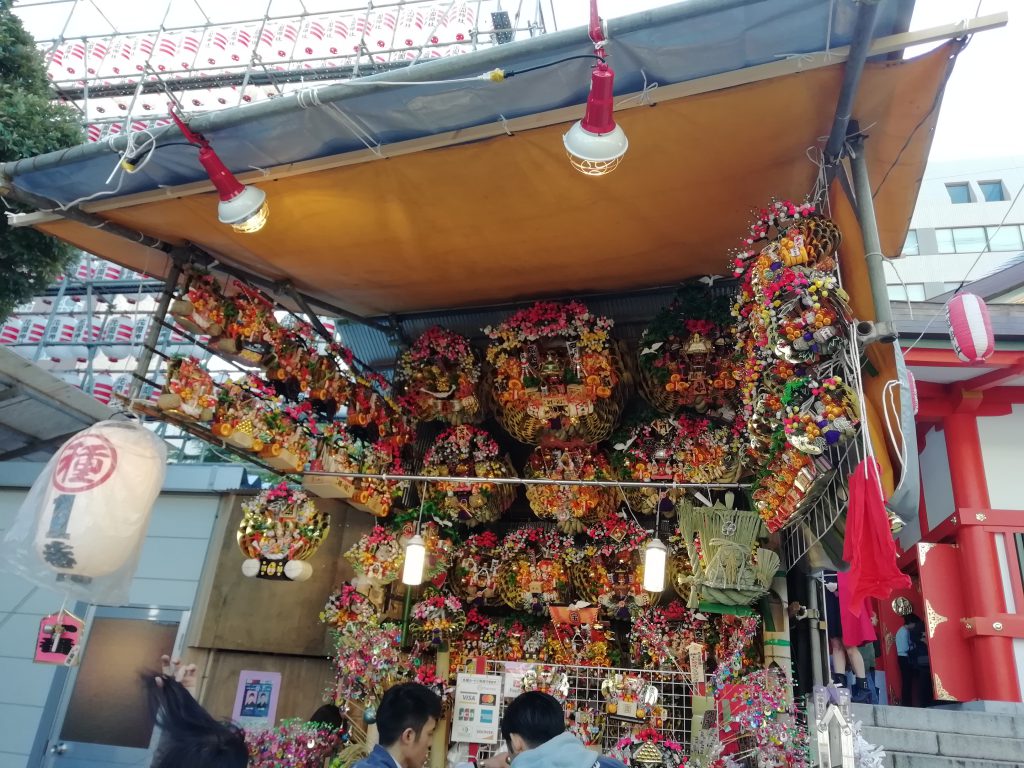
[
  {"x": 242, "y": 207},
  {"x": 415, "y": 559},
  {"x": 655, "y": 560},
  {"x": 597, "y": 143}
]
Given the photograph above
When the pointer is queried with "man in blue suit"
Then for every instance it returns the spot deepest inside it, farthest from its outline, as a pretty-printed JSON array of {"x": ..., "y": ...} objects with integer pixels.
[{"x": 406, "y": 719}]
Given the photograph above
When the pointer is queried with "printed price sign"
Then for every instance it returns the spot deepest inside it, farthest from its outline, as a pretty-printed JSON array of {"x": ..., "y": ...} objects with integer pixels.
[{"x": 475, "y": 714}]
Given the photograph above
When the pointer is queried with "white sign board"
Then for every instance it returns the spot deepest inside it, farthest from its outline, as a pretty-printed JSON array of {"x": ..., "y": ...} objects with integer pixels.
[
  {"x": 475, "y": 714},
  {"x": 515, "y": 671}
]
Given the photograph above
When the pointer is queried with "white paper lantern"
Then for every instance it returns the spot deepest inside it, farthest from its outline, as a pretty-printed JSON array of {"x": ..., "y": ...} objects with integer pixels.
[
  {"x": 95, "y": 499},
  {"x": 970, "y": 329}
]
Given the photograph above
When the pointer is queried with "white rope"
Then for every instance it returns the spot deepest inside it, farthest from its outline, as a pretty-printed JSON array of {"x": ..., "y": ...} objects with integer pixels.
[
  {"x": 890, "y": 408},
  {"x": 644, "y": 97},
  {"x": 828, "y": 30},
  {"x": 308, "y": 97},
  {"x": 358, "y": 131},
  {"x": 906, "y": 290}
]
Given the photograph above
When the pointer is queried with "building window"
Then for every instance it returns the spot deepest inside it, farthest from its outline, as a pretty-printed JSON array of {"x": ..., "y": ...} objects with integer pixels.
[
  {"x": 959, "y": 192},
  {"x": 944, "y": 241},
  {"x": 992, "y": 191},
  {"x": 910, "y": 247},
  {"x": 979, "y": 239},
  {"x": 1004, "y": 238},
  {"x": 969, "y": 239},
  {"x": 908, "y": 292}
]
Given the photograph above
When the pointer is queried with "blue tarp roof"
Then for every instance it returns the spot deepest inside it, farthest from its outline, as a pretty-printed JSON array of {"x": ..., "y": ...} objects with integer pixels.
[{"x": 673, "y": 44}]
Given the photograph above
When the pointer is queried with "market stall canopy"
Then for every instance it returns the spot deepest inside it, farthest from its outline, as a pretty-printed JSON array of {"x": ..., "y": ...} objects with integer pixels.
[
  {"x": 390, "y": 200},
  {"x": 39, "y": 412}
]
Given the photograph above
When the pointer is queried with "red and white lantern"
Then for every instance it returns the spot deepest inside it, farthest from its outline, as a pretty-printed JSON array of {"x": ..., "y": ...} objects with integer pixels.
[
  {"x": 915, "y": 402},
  {"x": 103, "y": 388},
  {"x": 970, "y": 329},
  {"x": 410, "y": 28},
  {"x": 11, "y": 331},
  {"x": 459, "y": 23},
  {"x": 62, "y": 330},
  {"x": 82, "y": 525},
  {"x": 33, "y": 328},
  {"x": 117, "y": 338}
]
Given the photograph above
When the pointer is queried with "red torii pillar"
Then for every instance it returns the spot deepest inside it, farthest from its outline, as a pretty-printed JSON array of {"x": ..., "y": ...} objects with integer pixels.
[{"x": 993, "y": 657}]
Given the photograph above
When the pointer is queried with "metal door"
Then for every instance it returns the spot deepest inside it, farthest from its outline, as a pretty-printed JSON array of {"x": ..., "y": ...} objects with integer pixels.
[{"x": 103, "y": 718}]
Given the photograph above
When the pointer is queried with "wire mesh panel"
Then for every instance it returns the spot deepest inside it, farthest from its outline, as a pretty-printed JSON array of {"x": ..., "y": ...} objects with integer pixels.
[
  {"x": 587, "y": 701},
  {"x": 824, "y": 519}
]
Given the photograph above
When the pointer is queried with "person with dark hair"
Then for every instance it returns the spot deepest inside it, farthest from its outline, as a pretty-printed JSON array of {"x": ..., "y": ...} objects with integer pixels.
[
  {"x": 406, "y": 720},
  {"x": 915, "y": 669},
  {"x": 192, "y": 737},
  {"x": 328, "y": 715},
  {"x": 533, "y": 728}
]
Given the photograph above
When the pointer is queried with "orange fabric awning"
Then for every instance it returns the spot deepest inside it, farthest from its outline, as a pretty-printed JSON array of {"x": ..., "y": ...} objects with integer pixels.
[{"x": 507, "y": 218}]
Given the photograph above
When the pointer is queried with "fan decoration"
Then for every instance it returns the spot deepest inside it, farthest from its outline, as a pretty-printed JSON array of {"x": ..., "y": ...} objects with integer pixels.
[
  {"x": 793, "y": 328},
  {"x": 466, "y": 451},
  {"x": 239, "y": 415},
  {"x": 680, "y": 569},
  {"x": 440, "y": 547},
  {"x": 347, "y": 604},
  {"x": 533, "y": 574},
  {"x": 679, "y": 449},
  {"x": 438, "y": 618},
  {"x": 438, "y": 378},
  {"x": 721, "y": 546},
  {"x": 281, "y": 529},
  {"x": 474, "y": 571},
  {"x": 292, "y": 743},
  {"x": 557, "y": 374},
  {"x": 819, "y": 413},
  {"x": 607, "y": 569},
  {"x": 575, "y": 637},
  {"x": 286, "y": 442},
  {"x": 661, "y": 638},
  {"x": 377, "y": 557},
  {"x": 189, "y": 391},
  {"x": 789, "y": 484},
  {"x": 586, "y": 723},
  {"x": 649, "y": 749},
  {"x": 336, "y": 451},
  {"x": 368, "y": 659},
  {"x": 201, "y": 310},
  {"x": 572, "y": 507},
  {"x": 685, "y": 356},
  {"x": 549, "y": 679},
  {"x": 249, "y": 326},
  {"x": 377, "y": 495}
]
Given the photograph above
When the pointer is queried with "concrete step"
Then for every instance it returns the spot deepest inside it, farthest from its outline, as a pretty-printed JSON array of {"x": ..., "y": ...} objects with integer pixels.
[
  {"x": 951, "y": 745},
  {"x": 902, "y": 760},
  {"x": 941, "y": 721}
]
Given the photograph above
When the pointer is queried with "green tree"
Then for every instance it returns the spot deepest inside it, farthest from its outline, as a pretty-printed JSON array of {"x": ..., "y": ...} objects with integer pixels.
[{"x": 30, "y": 124}]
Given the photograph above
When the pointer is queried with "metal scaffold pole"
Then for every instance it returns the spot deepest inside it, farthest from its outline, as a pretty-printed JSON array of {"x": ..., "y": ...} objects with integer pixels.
[{"x": 153, "y": 333}]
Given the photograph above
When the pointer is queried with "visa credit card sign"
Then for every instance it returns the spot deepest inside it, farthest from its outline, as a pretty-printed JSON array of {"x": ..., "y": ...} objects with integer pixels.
[{"x": 475, "y": 715}]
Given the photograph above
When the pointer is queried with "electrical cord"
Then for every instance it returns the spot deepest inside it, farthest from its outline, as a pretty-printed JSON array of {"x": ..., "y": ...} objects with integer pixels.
[{"x": 507, "y": 73}]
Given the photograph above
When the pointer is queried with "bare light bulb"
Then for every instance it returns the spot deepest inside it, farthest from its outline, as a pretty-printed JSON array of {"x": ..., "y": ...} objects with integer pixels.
[
  {"x": 655, "y": 561},
  {"x": 415, "y": 559},
  {"x": 597, "y": 143}
]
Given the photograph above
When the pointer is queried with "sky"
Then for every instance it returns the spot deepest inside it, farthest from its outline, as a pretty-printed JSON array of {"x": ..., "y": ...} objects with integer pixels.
[{"x": 982, "y": 111}]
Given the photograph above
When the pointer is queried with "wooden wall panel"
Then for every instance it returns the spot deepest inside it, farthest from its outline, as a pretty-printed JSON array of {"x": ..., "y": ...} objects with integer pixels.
[
  {"x": 271, "y": 617},
  {"x": 303, "y": 681}
]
